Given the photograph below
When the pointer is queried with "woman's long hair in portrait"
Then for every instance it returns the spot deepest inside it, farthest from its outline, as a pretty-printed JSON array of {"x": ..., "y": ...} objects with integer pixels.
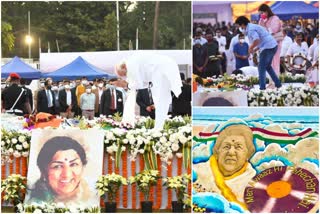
[{"x": 42, "y": 190}]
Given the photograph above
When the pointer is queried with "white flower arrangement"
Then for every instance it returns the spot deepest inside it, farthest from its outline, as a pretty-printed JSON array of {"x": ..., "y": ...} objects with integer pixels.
[
  {"x": 290, "y": 96},
  {"x": 237, "y": 82},
  {"x": 150, "y": 142},
  {"x": 179, "y": 184},
  {"x": 144, "y": 180},
  {"x": 14, "y": 143},
  {"x": 110, "y": 184},
  {"x": 55, "y": 208},
  {"x": 14, "y": 187},
  {"x": 142, "y": 140}
]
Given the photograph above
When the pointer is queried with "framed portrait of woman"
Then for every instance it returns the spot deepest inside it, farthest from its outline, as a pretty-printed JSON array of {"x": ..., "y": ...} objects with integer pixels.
[{"x": 64, "y": 166}]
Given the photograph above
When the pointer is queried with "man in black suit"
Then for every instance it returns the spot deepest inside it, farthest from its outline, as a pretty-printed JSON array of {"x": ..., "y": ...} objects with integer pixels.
[
  {"x": 67, "y": 101},
  {"x": 55, "y": 90},
  {"x": 111, "y": 100},
  {"x": 77, "y": 82},
  {"x": 145, "y": 101},
  {"x": 182, "y": 104},
  {"x": 28, "y": 92},
  {"x": 14, "y": 98},
  {"x": 45, "y": 100}
]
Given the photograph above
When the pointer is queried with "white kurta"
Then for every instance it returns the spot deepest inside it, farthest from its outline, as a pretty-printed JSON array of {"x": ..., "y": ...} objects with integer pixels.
[{"x": 164, "y": 74}]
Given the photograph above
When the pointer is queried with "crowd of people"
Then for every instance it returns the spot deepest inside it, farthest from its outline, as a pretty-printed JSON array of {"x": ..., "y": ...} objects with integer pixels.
[
  {"x": 225, "y": 47},
  {"x": 81, "y": 97}
]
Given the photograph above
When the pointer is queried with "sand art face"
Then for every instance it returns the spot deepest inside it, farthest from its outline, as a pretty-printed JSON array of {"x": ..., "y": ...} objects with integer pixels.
[
  {"x": 232, "y": 154},
  {"x": 279, "y": 174}
]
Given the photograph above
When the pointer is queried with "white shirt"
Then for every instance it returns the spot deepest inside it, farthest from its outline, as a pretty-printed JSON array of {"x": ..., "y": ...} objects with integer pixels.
[
  {"x": 202, "y": 41},
  {"x": 48, "y": 92},
  {"x": 316, "y": 54},
  {"x": 286, "y": 42},
  {"x": 100, "y": 92},
  {"x": 222, "y": 43},
  {"x": 295, "y": 49},
  {"x": 113, "y": 90},
  {"x": 69, "y": 98},
  {"x": 124, "y": 93},
  {"x": 311, "y": 49}
]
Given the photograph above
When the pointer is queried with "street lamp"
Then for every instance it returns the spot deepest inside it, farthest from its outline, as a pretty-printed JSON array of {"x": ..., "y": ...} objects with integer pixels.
[{"x": 29, "y": 41}]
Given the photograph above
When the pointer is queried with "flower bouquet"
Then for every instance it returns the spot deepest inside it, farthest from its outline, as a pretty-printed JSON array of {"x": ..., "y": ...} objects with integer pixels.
[
  {"x": 144, "y": 181},
  {"x": 14, "y": 189},
  {"x": 14, "y": 143},
  {"x": 179, "y": 184},
  {"x": 110, "y": 184}
]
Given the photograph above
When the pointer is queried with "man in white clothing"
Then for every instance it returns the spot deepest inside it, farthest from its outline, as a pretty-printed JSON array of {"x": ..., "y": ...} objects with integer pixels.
[
  {"x": 312, "y": 48},
  {"x": 142, "y": 68},
  {"x": 298, "y": 47},
  {"x": 286, "y": 43},
  {"x": 198, "y": 37},
  {"x": 221, "y": 40},
  {"x": 313, "y": 56}
]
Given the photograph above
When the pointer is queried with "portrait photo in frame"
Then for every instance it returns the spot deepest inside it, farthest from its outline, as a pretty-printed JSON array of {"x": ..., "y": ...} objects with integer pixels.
[{"x": 64, "y": 166}]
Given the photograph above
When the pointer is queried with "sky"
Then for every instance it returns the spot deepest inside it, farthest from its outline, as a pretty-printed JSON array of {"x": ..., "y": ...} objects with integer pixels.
[{"x": 310, "y": 111}]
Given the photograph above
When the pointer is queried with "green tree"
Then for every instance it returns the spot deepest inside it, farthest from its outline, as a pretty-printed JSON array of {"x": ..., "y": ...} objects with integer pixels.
[
  {"x": 91, "y": 25},
  {"x": 108, "y": 34},
  {"x": 7, "y": 37}
]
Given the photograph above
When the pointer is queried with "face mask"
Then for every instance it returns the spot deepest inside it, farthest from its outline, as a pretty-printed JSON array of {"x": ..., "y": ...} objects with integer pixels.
[
  {"x": 94, "y": 87},
  {"x": 67, "y": 87},
  {"x": 84, "y": 82},
  {"x": 55, "y": 88},
  {"x": 241, "y": 29},
  {"x": 41, "y": 85},
  {"x": 72, "y": 85},
  {"x": 298, "y": 27},
  {"x": 88, "y": 90},
  {"x": 100, "y": 85},
  {"x": 263, "y": 16},
  {"x": 241, "y": 40}
]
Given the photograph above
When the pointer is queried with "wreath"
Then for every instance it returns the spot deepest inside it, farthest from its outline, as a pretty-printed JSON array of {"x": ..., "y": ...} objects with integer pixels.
[{"x": 297, "y": 66}]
